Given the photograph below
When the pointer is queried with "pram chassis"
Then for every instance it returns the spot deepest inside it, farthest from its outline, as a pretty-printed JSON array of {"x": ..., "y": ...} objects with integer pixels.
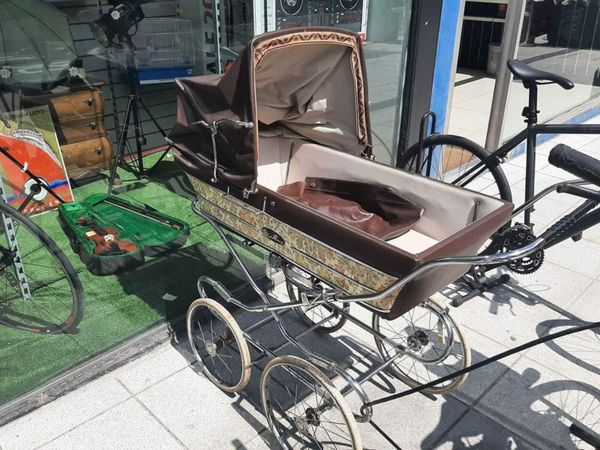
[{"x": 315, "y": 365}]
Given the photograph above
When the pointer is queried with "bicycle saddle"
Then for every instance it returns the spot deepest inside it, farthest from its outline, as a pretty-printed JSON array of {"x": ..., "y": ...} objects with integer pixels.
[{"x": 529, "y": 74}]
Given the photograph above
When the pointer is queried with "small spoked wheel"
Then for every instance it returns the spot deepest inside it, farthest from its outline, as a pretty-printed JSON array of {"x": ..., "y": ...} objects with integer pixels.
[
  {"x": 218, "y": 345},
  {"x": 428, "y": 344},
  {"x": 304, "y": 409},
  {"x": 299, "y": 282}
]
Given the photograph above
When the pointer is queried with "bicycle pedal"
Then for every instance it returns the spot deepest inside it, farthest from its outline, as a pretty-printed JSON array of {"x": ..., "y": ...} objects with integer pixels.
[{"x": 577, "y": 237}]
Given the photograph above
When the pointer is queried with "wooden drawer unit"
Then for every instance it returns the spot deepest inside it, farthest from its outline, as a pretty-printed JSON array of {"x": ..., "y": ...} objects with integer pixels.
[
  {"x": 79, "y": 129},
  {"x": 87, "y": 156},
  {"x": 78, "y": 116},
  {"x": 78, "y": 104}
]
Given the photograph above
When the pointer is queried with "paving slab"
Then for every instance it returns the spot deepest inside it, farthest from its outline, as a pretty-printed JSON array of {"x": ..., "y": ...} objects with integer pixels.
[
  {"x": 509, "y": 313},
  {"x": 480, "y": 432},
  {"x": 553, "y": 286},
  {"x": 126, "y": 426},
  {"x": 412, "y": 422},
  {"x": 144, "y": 372},
  {"x": 479, "y": 381},
  {"x": 264, "y": 441},
  {"x": 592, "y": 234},
  {"x": 58, "y": 417},
  {"x": 587, "y": 305},
  {"x": 534, "y": 401},
  {"x": 546, "y": 211},
  {"x": 200, "y": 414},
  {"x": 582, "y": 256}
]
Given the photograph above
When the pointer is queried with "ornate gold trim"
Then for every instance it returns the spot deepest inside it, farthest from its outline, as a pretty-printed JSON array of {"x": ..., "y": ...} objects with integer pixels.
[{"x": 330, "y": 265}]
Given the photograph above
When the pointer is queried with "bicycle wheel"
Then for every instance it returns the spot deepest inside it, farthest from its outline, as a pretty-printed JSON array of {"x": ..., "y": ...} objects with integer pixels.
[
  {"x": 432, "y": 346},
  {"x": 304, "y": 409},
  {"x": 39, "y": 289},
  {"x": 458, "y": 161}
]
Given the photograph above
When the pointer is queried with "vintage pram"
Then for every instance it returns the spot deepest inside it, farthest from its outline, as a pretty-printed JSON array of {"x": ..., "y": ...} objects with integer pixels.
[{"x": 279, "y": 150}]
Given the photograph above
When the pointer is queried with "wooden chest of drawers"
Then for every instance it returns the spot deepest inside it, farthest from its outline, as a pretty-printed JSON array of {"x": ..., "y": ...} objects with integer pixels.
[{"x": 78, "y": 116}]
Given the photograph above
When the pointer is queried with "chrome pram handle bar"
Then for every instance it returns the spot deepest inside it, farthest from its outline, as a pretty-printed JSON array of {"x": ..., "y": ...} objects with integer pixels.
[
  {"x": 497, "y": 258},
  {"x": 214, "y": 130},
  {"x": 217, "y": 123}
]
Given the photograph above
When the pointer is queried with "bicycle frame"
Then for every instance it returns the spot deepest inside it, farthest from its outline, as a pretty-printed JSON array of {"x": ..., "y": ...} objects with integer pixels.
[{"x": 529, "y": 135}]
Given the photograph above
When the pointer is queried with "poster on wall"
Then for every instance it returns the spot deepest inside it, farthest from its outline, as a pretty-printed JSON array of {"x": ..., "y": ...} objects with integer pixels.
[{"x": 29, "y": 137}]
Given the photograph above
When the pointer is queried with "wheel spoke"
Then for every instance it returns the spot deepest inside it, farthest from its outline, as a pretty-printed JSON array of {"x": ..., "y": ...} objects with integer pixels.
[
  {"x": 430, "y": 353},
  {"x": 39, "y": 288},
  {"x": 324, "y": 425}
]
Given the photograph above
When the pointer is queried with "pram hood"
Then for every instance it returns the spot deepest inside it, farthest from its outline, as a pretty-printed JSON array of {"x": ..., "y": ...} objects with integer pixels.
[{"x": 307, "y": 82}]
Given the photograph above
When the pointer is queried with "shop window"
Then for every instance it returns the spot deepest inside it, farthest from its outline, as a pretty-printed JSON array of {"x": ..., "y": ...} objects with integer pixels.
[{"x": 73, "y": 76}]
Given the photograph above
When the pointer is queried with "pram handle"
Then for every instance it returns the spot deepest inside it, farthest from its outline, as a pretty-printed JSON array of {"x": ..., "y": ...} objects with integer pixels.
[
  {"x": 214, "y": 125},
  {"x": 493, "y": 259}
]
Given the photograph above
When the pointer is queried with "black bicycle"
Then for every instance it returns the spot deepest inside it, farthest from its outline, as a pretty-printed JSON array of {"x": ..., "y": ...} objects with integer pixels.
[
  {"x": 39, "y": 289},
  {"x": 459, "y": 161}
]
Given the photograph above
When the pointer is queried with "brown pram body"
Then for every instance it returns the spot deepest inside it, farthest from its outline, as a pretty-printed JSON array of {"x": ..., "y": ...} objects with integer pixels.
[{"x": 298, "y": 182}]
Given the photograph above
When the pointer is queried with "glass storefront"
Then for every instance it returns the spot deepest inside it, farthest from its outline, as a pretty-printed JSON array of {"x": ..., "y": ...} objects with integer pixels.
[
  {"x": 81, "y": 81},
  {"x": 562, "y": 37}
]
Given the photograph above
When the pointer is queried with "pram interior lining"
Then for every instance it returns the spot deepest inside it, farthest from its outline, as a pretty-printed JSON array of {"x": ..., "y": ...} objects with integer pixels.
[{"x": 446, "y": 210}]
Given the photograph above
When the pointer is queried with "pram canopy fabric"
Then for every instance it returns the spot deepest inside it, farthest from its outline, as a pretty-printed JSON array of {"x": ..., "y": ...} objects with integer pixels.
[{"x": 305, "y": 83}]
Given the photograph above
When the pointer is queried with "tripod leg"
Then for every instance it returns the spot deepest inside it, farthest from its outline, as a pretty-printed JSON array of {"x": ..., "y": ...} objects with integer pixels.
[
  {"x": 121, "y": 146},
  {"x": 140, "y": 140},
  {"x": 160, "y": 130},
  {"x": 152, "y": 118}
]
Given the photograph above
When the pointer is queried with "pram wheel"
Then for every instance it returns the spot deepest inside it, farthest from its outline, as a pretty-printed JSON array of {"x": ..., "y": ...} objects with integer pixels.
[
  {"x": 304, "y": 408},
  {"x": 298, "y": 281},
  {"x": 218, "y": 345},
  {"x": 433, "y": 343}
]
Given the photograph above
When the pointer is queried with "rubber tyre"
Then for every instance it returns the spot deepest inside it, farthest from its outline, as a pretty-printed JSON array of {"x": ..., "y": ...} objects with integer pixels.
[
  {"x": 245, "y": 361},
  {"x": 325, "y": 382},
  {"x": 78, "y": 306}
]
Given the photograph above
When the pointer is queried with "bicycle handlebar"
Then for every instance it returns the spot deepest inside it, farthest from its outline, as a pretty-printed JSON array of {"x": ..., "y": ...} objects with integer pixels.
[{"x": 576, "y": 163}]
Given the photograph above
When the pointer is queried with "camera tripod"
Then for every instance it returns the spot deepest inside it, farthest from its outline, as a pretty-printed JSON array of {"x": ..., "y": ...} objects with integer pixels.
[{"x": 132, "y": 116}]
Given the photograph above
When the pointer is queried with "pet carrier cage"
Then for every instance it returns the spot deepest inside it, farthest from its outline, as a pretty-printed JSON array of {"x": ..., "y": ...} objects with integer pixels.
[{"x": 164, "y": 50}]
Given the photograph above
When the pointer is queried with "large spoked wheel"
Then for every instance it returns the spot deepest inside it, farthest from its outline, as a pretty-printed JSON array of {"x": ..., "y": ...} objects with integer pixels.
[
  {"x": 218, "y": 345},
  {"x": 39, "y": 289},
  {"x": 431, "y": 345},
  {"x": 298, "y": 282},
  {"x": 304, "y": 409}
]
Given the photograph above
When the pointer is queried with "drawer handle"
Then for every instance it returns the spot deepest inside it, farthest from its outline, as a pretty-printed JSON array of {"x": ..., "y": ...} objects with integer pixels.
[
  {"x": 89, "y": 101},
  {"x": 92, "y": 125},
  {"x": 98, "y": 150}
]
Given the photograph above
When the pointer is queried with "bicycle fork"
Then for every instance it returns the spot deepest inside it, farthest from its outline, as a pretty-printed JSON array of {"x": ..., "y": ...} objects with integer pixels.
[{"x": 13, "y": 251}]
